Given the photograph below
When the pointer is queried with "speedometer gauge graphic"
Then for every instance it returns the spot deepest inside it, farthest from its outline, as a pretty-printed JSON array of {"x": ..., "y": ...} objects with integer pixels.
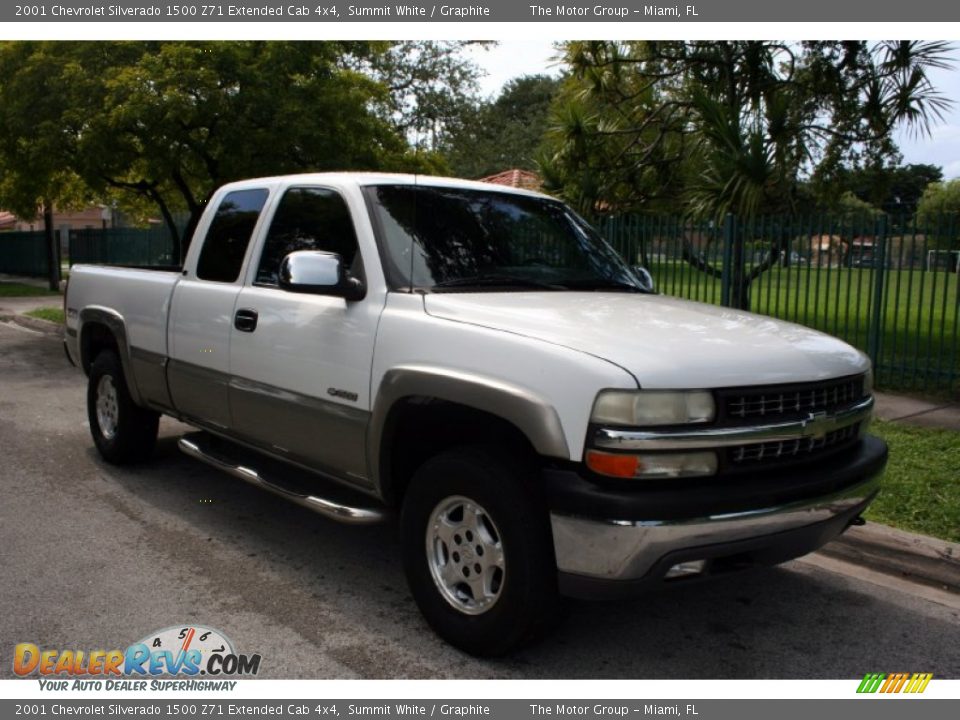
[{"x": 183, "y": 638}]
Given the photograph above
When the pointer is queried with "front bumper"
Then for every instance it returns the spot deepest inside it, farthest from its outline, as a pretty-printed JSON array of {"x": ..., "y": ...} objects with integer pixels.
[{"x": 615, "y": 542}]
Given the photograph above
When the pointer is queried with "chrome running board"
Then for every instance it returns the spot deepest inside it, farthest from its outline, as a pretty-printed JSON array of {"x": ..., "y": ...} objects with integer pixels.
[{"x": 197, "y": 445}]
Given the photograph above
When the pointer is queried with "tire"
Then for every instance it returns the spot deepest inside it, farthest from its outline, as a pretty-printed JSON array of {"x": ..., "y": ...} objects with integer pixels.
[
  {"x": 123, "y": 432},
  {"x": 475, "y": 508}
]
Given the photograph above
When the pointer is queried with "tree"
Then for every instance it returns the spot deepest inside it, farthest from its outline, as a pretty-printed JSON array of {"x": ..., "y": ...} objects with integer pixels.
[
  {"x": 429, "y": 84},
  {"x": 170, "y": 121},
  {"x": 940, "y": 198},
  {"x": 939, "y": 211},
  {"x": 502, "y": 133},
  {"x": 855, "y": 214},
  {"x": 34, "y": 170},
  {"x": 894, "y": 189},
  {"x": 724, "y": 127}
]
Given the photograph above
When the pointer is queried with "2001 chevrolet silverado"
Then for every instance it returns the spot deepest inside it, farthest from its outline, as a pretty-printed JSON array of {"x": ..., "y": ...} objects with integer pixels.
[{"x": 479, "y": 360}]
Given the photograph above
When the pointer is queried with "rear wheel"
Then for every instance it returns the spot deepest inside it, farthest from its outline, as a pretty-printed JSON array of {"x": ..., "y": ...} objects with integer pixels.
[
  {"x": 478, "y": 552},
  {"x": 122, "y": 431}
]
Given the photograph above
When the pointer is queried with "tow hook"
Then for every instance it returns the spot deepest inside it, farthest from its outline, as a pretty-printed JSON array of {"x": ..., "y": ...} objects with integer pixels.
[{"x": 856, "y": 522}]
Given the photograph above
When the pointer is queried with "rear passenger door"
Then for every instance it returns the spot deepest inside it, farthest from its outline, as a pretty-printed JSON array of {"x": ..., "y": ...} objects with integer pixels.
[
  {"x": 202, "y": 312},
  {"x": 301, "y": 376}
]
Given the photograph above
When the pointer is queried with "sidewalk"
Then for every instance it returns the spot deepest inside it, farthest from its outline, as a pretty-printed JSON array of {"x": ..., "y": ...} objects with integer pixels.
[
  {"x": 24, "y": 280},
  {"x": 13, "y": 307},
  {"x": 23, "y": 305},
  {"x": 913, "y": 411},
  {"x": 887, "y": 550}
]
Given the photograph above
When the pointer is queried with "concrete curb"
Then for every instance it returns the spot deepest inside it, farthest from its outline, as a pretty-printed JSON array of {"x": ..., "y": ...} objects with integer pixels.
[
  {"x": 916, "y": 558},
  {"x": 44, "y": 326}
]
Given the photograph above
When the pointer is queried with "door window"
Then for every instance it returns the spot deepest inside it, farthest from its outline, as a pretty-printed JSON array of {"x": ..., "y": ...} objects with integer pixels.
[
  {"x": 229, "y": 235},
  {"x": 308, "y": 219}
]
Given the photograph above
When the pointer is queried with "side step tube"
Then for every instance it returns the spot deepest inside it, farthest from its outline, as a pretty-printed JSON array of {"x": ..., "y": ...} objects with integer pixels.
[{"x": 327, "y": 508}]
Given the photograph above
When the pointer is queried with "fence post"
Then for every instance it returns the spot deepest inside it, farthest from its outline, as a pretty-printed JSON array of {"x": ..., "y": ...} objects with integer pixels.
[
  {"x": 59, "y": 242},
  {"x": 875, "y": 332},
  {"x": 727, "y": 275},
  {"x": 53, "y": 254}
]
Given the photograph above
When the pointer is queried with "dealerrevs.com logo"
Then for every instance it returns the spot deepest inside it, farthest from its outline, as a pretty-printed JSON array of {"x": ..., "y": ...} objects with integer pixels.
[{"x": 179, "y": 651}]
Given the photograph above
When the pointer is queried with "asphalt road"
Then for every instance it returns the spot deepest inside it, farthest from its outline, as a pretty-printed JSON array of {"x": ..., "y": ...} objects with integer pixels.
[{"x": 96, "y": 557}]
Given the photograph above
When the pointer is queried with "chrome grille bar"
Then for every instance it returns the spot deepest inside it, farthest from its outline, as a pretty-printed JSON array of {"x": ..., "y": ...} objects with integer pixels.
[{"x": 814, "y": 426}]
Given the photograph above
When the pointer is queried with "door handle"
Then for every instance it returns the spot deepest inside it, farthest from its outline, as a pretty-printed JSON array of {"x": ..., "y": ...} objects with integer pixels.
[{"x": 245, "y": 320}]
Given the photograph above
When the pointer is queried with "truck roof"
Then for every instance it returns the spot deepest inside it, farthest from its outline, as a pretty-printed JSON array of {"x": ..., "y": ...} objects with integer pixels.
[{"x": 380, "y": 178}]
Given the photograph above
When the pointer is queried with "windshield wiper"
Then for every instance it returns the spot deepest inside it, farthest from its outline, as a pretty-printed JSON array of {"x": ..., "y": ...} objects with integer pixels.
[{"x": 493, "y": 280}]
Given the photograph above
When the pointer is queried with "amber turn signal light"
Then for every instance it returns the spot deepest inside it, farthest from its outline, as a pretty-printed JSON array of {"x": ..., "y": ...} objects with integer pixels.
[{"x": 625, "y": 466}]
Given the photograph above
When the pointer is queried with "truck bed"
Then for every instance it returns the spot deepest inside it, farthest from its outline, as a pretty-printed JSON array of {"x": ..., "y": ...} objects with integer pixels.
[{"x": 141, "y": 296}]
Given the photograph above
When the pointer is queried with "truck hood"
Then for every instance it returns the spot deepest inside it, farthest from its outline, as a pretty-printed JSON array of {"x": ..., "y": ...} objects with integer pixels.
[{"x": 664, "y": 342}]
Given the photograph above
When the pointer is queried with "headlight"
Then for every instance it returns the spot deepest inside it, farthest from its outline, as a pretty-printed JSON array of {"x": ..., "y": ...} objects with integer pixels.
[
  {"x": 868, "y": 383},
  {"x": 639, "y": 408}
]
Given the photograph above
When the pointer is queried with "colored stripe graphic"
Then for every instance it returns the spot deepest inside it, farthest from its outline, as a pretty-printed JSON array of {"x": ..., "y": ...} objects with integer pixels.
[
  {"x": 919, "y": 682},
  {"x": 870, "y": 683},
  {"x": 891, "y": 682},
  {"x": 894, "y": 682}
]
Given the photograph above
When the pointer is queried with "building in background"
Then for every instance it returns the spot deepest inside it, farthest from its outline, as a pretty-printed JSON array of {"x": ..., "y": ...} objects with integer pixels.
[
  {"x": 516, "y": 178},
  {"x": 95, "y": 216}
]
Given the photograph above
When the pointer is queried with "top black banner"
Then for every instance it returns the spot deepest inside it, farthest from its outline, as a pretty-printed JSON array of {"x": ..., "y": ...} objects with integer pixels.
[{"x": 490, "y": 11}]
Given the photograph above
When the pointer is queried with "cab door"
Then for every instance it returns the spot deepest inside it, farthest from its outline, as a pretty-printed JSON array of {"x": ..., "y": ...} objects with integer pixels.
[
  {"x": 202, "y": 312},
  {"x": 300, "y": 383}
]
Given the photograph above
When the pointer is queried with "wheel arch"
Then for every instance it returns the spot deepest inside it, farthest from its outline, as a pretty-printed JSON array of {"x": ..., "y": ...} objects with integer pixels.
[
  {"x": 104, "y": 328},
  {"x": 449, "y": 400}
]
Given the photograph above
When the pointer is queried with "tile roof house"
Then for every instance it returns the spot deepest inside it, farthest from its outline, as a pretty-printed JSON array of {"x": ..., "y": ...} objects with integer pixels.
[
  {"x": 90, "y": 217},
  {"x": 516, "y": 178}
]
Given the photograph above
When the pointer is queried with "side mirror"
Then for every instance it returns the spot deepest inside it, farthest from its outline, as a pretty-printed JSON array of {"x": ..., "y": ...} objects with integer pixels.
[
  {"x": 319, "y": 273},
  {"x": 645, "y": 278}
]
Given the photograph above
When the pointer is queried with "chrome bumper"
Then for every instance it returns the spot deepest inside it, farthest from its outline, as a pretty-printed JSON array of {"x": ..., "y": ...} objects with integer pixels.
[{"x": 624, "y": 550}]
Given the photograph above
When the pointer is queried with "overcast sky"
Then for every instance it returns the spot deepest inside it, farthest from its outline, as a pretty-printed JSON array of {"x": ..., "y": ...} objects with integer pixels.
[{"x": 512, "y": 58}]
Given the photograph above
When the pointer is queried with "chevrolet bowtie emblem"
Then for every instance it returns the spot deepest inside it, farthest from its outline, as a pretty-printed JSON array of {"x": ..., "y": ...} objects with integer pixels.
[{"x": 817, "y": 423}]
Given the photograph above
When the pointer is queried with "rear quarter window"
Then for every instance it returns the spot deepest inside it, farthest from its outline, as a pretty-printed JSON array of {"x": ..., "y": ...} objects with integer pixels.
[{"x": 229, "y": 235}]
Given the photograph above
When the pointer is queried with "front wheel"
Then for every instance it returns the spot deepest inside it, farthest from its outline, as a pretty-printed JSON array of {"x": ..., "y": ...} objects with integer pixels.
[
  {"x": 122, "y": 431},
  {"x": 477, "y": 550}
]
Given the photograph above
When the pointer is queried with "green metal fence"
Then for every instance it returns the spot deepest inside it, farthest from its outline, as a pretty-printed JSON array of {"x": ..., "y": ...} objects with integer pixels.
[
  {"x": 887, "y": 285},
  {"x": 23, "y": 253},
  {"x": 122, "y": 246}
]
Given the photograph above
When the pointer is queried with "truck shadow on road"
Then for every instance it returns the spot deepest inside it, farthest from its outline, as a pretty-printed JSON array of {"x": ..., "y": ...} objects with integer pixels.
[{"x": 341, "y": 589}]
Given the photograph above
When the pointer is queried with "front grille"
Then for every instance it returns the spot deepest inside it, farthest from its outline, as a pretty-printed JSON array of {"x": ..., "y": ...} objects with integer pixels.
[
  {"x": 786, "y": 402},
  {"x": 769, "y": 453},
  {"x": 807, "y": 415}
]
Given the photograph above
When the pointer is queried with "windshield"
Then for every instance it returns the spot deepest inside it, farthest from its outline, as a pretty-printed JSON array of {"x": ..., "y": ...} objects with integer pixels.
[{"x": 453, "y": 239}]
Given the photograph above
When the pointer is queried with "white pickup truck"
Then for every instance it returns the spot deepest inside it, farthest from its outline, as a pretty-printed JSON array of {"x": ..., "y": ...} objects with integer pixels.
[{"x": 478, "y": 361}]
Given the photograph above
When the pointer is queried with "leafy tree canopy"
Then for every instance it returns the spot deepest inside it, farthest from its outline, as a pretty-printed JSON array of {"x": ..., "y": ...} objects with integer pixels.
[
  {"x": 940, "y": 201},
  {"x": 852, "y": 209},
  {"x": 170, "y": 121},
  {"x": 502, "y": 133},
  {"x": 895, "y": 189},
  {"x": 731, "y": 126}
]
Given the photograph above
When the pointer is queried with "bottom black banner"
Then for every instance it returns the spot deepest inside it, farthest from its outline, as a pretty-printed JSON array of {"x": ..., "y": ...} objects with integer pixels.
[{"x": 874, "y": 708}]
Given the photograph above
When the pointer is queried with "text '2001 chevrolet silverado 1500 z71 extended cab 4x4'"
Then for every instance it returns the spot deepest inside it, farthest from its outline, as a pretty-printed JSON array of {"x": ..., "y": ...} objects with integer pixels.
[{"x": 479, "y": 360}]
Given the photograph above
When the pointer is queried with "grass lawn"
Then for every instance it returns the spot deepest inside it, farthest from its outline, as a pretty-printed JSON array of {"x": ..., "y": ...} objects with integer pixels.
[
  {"x": 53, "y": 314},
  {"x": 13, "y": 289},
  {"x": 921, "y": 488}
]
